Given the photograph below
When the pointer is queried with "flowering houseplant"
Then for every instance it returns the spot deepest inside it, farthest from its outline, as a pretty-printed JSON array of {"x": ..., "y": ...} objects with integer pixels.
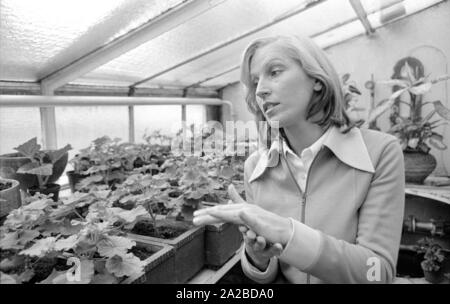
[{"x": 415, "y": 132}]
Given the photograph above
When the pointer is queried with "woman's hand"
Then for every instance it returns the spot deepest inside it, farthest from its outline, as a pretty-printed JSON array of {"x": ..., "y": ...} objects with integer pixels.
[
  {"x": 271, "y": 226},
  {"x": 258, "y": 250}
]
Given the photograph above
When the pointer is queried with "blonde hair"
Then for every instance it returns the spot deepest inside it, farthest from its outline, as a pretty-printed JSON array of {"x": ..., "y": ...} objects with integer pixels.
[{"x": 328, "y": 103}]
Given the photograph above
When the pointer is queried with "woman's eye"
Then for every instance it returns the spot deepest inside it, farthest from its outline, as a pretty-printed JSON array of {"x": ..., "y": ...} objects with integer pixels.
[{"x": 275, "y": 73}]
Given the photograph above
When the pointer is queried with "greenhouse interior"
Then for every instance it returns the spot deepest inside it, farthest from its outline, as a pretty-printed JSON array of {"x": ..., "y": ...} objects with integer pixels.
[{"x": 126, "y": 123}]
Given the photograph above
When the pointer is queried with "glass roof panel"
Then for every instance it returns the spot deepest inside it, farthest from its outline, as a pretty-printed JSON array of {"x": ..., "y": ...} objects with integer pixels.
[
  {"x": 39, "y": 37},
  {"x": 402, "y": 9},
  {"x": 218, "y": 25}
]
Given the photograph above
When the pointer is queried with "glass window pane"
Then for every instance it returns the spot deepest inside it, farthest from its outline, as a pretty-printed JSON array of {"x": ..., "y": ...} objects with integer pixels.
[
  {"x": 79, "y": 126},
  {"x": 148, "y": 119},
  {"x": 17, "y": 125},
  {"x": 195, "y": 114}
]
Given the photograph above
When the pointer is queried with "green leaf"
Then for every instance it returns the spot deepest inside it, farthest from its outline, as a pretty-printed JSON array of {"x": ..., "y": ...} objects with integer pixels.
[
  {"x": 52, "y": 276},
  {"x": 67, "y": 243},
  {"x": 227, "y": 172},
  {"x": 128, "y": 265},
  {"x": 437, "y": 142},
  {"x": 7, "y": 279},
  {"x": 26, "y": 275},
  {"x": 36, "y": 169},
  {"x": 40, "y": 247},
  {"x": 29, "y": 148},
  {"x": 395, "y": 82},
  {"x": 115, "y": 245},
  {"x": 130, "y": 216},
  {"x": 380, "y": 109},
  {"x": 57, "y": 154},
  {"x": 441, "y": 110},
  {"x": 39, "y": 204},
  {"x": 409, "y": 72},
  {"x": 10, "y": 241},
  {"x": 420, "y": 89},
  {"x": 9, "y": 264},
  {"x": 75, "y": 198}
]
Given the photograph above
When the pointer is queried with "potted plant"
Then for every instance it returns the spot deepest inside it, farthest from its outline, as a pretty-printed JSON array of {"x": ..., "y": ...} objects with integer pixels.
[
  {"x": 38, "y": 240},
  {"x": 151, "y": 206},
  {"x": 9, "y": 196},
  {"x": 41, "y": 165},
  {"x": 11, "y": 162},
  {"x": 433, "y": 260},
  {"x": 415, "y": 131}
]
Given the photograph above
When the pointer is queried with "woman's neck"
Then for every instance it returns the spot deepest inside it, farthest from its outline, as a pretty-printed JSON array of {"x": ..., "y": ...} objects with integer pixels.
[{"x": 302, "y": 135}]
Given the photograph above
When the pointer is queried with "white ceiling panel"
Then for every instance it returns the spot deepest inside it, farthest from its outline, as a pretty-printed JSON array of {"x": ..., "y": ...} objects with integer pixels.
[{"x": 39, "y": 37}]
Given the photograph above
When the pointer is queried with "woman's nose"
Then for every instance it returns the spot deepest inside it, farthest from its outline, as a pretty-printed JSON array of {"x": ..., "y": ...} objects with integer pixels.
[{"x": 262, "y": 92}]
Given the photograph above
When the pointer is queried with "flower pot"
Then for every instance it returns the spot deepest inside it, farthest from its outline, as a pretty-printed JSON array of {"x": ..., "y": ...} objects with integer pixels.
[
  {"x": 49, "y": 189},
  {"x": 189, "y": 248},
  {"x": 10, "y": 198},
  {"x": 418, "y": 166},
  {"x": 160, "y": 266},
  {"x": 74, "y": 179},
  {"x": 9, "y": 163},
  {"x": 221, "y": 242},
  {"x": 434, "y": 277}
]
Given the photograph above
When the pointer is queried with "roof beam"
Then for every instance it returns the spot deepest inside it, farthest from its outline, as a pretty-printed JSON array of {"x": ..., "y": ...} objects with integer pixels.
[
  {"x": 333, "y": 27},
  {"x": 153, "y": 28},
  {"x": 305, "y": 6},
  {"x": 362, "y": 16}
]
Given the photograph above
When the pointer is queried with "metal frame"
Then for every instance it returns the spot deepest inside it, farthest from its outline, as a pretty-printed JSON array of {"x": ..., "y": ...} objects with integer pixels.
[
  {"x": 362, "y": 16},
  {"x": 306, "y": 5}
]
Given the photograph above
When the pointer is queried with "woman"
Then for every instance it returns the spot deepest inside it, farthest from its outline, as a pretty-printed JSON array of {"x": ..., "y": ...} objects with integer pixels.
[{"x": 325, "y": 200}]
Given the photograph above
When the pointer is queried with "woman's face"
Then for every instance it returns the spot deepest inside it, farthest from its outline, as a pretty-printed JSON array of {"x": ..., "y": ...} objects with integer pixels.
[{"x": 283, "y": 90}]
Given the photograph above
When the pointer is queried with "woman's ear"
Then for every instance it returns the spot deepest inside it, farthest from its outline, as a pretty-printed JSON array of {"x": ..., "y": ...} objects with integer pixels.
[{"x": 317, "y": 86}]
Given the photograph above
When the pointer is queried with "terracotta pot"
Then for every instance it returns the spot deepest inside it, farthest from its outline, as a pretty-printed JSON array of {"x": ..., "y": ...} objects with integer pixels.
[
  {"x": 418, "y": 166},
  {"x": 9, "y": 163},
  {"x": 11, "y": 196},
  {"x": 49, "y": 189}
]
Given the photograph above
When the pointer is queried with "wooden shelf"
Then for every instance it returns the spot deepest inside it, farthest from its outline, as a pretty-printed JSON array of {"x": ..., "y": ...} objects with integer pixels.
[{"x": 441, "y": 194}]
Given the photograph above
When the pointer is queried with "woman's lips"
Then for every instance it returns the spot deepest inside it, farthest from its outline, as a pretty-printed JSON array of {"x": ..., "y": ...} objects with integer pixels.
[{"x": 269, "y": 107}]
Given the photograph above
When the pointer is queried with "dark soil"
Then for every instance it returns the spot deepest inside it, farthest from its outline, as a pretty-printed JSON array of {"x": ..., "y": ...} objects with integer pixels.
[
  {"x": 44, "y": 267},
  {"x": 146, "y": 228},
  {"x": 142, "y": 252},
  {"x": 126, "y": 206},
  {"x": 5, "y": 185}
]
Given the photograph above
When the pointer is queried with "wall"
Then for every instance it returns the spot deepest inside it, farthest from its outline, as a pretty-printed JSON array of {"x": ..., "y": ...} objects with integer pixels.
[{"x": 423, "y": 35}]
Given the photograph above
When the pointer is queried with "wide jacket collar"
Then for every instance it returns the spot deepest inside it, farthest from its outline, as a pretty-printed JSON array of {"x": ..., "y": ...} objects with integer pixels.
[{"x": 348, "y": 147}]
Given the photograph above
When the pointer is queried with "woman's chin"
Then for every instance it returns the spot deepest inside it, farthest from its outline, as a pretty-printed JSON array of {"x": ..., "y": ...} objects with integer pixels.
[{"x": 276, "y": 121}]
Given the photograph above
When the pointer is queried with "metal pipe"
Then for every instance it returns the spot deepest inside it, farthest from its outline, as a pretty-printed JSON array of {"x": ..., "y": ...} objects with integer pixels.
[{"x": 49, "y": 101}]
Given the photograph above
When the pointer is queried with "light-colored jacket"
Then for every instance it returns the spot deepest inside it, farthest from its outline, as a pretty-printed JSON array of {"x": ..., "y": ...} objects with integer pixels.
[{"x": 354, "y": 197}]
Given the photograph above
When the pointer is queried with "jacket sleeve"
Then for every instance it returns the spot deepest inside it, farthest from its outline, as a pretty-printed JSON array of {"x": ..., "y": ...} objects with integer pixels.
[
  {"x": 373, "y": 257},
  {"x": 249, "y": 270}
]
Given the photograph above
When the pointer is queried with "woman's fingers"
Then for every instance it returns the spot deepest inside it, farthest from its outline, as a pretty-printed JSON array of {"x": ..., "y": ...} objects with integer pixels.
[
  {"x": 260, "y": 243},
  {"x": 205, "y": 219},
  {"x": 243, "y": 229}
]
